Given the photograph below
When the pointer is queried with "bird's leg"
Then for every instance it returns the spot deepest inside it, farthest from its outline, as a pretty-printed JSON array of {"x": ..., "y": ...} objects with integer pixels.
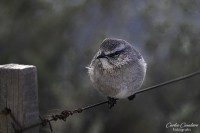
[
  {"x": 131, "y": 97},
  {"x": 111, "y": 102}
]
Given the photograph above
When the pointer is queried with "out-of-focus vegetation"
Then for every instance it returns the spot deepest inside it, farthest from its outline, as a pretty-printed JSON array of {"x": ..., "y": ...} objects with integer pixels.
[{"x": 60, "y": 37}]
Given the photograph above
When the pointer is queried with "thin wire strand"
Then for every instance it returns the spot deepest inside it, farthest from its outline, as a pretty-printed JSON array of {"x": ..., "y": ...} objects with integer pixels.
[
  {"x": 169, "y": 82},
  {"x": 94, "y": 105}
]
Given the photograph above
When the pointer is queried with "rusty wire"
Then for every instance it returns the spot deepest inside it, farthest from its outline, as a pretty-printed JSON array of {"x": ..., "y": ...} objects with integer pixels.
[{"x": 66, "y": 113}]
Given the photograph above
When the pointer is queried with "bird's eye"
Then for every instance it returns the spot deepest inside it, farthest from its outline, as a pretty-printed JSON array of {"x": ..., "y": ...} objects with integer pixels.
[{"x": 115, "y": 54}]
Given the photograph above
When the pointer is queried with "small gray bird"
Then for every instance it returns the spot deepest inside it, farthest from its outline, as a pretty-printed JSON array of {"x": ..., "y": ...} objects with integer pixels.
[{"x": 117, "y": 70}]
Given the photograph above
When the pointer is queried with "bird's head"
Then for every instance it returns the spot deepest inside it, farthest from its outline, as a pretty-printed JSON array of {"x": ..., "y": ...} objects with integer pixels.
[{"x": 114, "y": 53}]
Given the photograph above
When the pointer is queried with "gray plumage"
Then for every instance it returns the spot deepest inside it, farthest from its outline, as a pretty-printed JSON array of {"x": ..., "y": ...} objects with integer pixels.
[{"x": 118, "y": 69}]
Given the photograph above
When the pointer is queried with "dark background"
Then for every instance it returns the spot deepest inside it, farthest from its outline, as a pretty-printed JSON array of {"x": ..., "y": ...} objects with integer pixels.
[{"x": 60, "y": 37}]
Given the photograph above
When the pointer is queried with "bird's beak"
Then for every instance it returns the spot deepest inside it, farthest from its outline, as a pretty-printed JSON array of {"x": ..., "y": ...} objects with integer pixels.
[{"x": 101, "y": 55}]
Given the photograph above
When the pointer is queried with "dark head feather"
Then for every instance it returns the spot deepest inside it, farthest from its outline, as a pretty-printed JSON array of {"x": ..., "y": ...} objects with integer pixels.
[{"x": 110, "y": 44}]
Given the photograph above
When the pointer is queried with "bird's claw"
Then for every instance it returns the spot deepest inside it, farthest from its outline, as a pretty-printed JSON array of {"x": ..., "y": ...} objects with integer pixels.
[
  {"x": 111, "y": 102},
  {"x": 131, "y": 97}
]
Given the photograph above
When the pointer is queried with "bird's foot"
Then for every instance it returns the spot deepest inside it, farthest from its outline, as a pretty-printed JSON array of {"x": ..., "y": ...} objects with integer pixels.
[
  {"x": 111, "y": 102},
  {"x": 131, "y": 97}
]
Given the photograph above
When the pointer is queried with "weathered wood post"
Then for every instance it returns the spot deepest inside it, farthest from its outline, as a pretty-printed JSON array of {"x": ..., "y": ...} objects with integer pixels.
[{"x": 18, "y": 92}]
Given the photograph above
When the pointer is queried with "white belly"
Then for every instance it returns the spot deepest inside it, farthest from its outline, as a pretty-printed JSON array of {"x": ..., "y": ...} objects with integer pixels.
[{"x": 121, "y": 84}]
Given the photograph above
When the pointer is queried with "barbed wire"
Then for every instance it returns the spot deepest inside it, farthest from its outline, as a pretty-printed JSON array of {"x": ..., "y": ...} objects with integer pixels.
[{"x": 66, "y": 113}]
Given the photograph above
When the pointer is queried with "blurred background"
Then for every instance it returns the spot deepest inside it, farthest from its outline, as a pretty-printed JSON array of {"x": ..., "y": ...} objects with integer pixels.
[{"x": 60, "y": 37}]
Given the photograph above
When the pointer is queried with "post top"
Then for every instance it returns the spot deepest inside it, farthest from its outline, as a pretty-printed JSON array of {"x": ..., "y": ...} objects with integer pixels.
[{"x": 16, "y": 66}]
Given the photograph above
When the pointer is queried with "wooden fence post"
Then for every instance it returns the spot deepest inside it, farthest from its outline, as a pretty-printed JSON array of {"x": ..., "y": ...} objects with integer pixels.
[{"x": 18, "y": 92}]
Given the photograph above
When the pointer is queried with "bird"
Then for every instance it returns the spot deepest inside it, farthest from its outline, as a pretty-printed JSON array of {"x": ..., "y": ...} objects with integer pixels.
[{"x": 117, "y": 70}]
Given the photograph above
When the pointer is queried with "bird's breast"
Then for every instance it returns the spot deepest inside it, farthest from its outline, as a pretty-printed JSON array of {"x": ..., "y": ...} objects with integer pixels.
[{"x": 119, "y": 82}]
